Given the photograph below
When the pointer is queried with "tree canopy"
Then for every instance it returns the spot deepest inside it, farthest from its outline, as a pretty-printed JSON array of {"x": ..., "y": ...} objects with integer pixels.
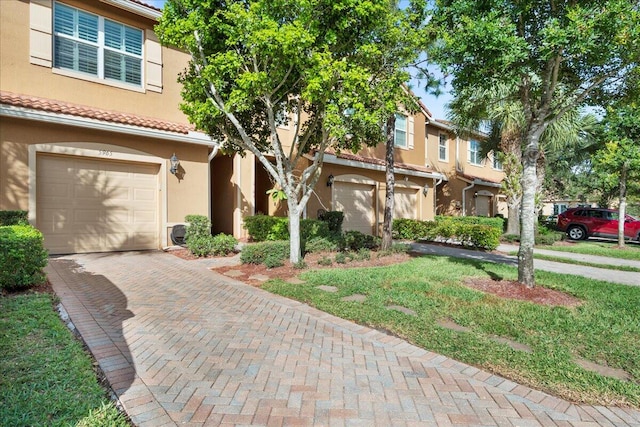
[
  {"x": 547, "y": 56},
  {"x": 336, "y": 67}
]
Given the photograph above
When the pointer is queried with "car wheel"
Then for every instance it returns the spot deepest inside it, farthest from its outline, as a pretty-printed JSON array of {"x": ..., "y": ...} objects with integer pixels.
[{"x": 575, "y": 232}]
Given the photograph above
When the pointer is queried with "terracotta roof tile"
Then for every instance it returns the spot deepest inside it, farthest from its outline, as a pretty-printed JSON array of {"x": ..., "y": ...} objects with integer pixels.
[
  {"x": 472, "y": 177},
  {"x": 380, "y": 162},
  {"x": 53, "y": 106}
]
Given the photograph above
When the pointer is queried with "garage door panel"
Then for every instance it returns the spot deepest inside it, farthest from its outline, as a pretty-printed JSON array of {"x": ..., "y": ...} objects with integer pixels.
[
  {"x": 103, "y": 207},
  {"x": 405, "y": 203},
  {"x": 356, "y": 201}
]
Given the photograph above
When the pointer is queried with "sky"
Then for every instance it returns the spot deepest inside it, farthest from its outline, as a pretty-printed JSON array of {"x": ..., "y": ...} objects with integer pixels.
[{"x": 436, "y": 105}]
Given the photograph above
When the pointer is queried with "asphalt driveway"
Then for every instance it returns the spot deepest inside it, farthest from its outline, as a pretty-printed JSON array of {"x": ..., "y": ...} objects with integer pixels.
[{"x": 182, "y": 345}]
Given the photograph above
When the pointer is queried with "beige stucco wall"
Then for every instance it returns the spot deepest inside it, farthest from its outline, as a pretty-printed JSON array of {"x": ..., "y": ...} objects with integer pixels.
[
  {"x": 187, "y": 195},
  {"x": 21, "y": 77}
]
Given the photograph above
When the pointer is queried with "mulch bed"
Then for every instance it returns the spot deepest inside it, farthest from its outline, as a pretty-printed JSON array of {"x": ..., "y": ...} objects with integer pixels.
[{"x": 512, "y": 289}]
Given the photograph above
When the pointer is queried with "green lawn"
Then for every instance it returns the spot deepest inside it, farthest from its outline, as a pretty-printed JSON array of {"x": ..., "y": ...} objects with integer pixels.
[
  {"x": 631, "y": 251},
  {"x": 604, "y": 329},
  {"x": 587, "y": 264},
  {"x": 46, "y": 378}
]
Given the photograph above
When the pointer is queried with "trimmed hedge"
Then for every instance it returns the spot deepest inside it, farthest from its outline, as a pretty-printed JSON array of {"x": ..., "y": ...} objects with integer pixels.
[
  {"x": 14, "y": 218},
  {"x": 471, "y": 231},
  {"x": 272, "y": 254},
  {"x": 22, "y": 257},
  {"x": 274, "y": 228}
]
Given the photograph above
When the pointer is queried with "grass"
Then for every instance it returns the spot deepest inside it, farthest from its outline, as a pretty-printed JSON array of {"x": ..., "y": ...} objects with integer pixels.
[
  {"x": 609, "y": 249},
  {"x": 46, "y": 377},
  {"x": 604, "y": 329},
  {"x": 584, "y": 263}
]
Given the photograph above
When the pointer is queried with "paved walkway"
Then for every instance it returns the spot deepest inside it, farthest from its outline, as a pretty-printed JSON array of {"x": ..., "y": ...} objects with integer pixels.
[
  {"x": 182, "y": 345},
  {"x": 608, "y": 275}
]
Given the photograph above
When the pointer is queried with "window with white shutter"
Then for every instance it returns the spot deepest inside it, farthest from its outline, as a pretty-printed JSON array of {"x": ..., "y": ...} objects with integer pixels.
[
  {"x": 97, "y": 46},
  {"x": 400, "y": 134}
]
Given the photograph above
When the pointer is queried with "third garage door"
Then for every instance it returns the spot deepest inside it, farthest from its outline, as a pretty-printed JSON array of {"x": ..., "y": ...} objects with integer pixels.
[
  {"x": 95, "y": 205},
  {"x": 357, "y": 202}
]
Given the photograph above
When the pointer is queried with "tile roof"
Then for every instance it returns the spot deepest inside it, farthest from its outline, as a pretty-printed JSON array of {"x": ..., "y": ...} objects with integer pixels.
[
  {"x": 59, "y": 107},
  {"x": 147, "y": 4},
  {"x": 472, "y": 177},
  {"x": 380, "y": 162}
]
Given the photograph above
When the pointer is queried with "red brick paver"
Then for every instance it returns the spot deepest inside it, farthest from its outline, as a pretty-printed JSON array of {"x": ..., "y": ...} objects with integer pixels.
[{"x": 182, "y": 345}]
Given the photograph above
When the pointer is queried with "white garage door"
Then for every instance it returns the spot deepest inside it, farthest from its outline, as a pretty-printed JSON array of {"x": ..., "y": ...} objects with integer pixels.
[
  {"x": 87, "y": 205},
  {"x": 406, "y": 203},
  {"x": 357, "y": 203}
]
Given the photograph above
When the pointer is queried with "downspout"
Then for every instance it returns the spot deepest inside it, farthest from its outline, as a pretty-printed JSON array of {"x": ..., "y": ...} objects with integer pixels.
[
  {"x": 213, "y": 153},
  {"x": 464, "y": 197}
]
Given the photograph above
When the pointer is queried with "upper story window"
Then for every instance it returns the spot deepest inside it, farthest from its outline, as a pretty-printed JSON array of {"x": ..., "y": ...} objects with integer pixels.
[
  {"x": 474, "y": 153},
  {"x": 443, "y": 152},
  {"x": 94, "y": 45},
  {"x": 400, "y": 134},
  {"x": 497, "y": 164}
]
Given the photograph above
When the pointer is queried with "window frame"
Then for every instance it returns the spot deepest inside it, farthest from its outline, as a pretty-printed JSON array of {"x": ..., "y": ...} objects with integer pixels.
[
  {"x": 405, "y": 130},
  {"x": 496, "y": 164},
  {"x": 101, "y": 46},
  {"x": 442, "y": 146},
  {"x": 474, "y": 153}
]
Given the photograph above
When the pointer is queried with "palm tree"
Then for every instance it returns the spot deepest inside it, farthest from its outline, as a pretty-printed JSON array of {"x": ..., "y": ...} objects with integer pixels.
[{"x": 503, "y": 119}]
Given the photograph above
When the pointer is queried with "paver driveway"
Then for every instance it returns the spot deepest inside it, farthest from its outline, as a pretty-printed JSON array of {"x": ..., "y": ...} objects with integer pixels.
[{"x": 182, "y": 345}]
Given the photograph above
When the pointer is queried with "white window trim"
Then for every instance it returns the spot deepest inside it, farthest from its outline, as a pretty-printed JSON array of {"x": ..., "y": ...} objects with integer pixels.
[
  {"x": 405, "y": 130},
  {"x": 469, "y": 151},
  {"x": 100, "y": 45},
  {"x": 446, "y": 147}
]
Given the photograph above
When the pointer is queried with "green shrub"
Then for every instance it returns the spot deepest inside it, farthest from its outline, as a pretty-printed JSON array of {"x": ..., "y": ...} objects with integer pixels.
[
  {"x": 548, "y": 239},
  {"x": 14, "y": 218},
  {"x": 511, "y": 238},
  {"x": 273, "y": 261},
  {"x": 321, "y": 244},
  {"x": 314, "y": 228},
  {"x": 257, "y": 253},
  {"x": 364, "y": 254},
  {"x": 223, "y": 244},
  {"x": 325, "y": 260},
  {"x": 197, "y": 226},
  {"x": 263, "y": 227},
  {"x": 22, "y": 257},
  {"x": 334, "y": 220},
  {"x": 341, "y": 258},
  {"x": 355, "y": 240},
  {"x": 472, "y": 231}
]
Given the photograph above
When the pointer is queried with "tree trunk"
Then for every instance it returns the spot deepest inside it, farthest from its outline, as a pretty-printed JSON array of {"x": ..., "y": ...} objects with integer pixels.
[
  {"x": 513, "y": 221},
  {"x": 387, "y": 226},
  {"x": 295, "y": 253},
  {"x": 623, "y": 205},
  {"x": 526, "y": 272}
]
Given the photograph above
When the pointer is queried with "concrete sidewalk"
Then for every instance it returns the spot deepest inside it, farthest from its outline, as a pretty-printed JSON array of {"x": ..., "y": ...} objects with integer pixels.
[
  {"x": 182, "y": 345},
  {"x": 614, "y": 276}
]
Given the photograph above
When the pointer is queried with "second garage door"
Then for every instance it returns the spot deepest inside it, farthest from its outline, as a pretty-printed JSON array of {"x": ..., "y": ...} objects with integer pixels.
[
  {"x": 357, "y": 203},
  {"x": 91, "y": 205},
  {"x": 406, "y": 203}
]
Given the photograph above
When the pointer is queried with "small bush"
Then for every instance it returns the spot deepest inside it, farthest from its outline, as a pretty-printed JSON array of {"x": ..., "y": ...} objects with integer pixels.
[
  {"x": 273, "y": 261},
  {"x": 22, "y": 257},
  {"x": 548, "y": 239},
  {"x": 200, "y": 246},
  {"x": 325, "y": 260},
  {"x": 300, "y": 265},
  {"x": 334, "y": 221},
  {"x": 14, "y": 218},
  {"x": 510, "y": 238},
  {"x": 257, "y": 253},
  {"x": 341, "y": 258},
  {"x": 355, "y": 240},
  {"x": 473, "y": 231},
  {"x": 364, "y": 254},
  {"x": 197, "y": 226},
  {"x": 223, "y": 244},
  {"x": 263, "y": 227},
  {"x": 321, "y": 244}
]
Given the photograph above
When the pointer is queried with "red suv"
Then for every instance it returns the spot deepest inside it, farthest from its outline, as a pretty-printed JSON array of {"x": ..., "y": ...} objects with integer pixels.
[{"x": 581, "y": 223}]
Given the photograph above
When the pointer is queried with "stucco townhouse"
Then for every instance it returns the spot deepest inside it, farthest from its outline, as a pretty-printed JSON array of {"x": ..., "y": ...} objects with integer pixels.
[{"x": 94, "y": 146}]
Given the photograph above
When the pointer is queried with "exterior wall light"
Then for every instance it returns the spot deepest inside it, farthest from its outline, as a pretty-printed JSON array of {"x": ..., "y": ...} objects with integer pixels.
[
  {"x": 330, "y": 179},
  {"x": 425, "y": 190},
  {"x": 175, "y": 162},
  {"x": 475, "y": 195}
]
